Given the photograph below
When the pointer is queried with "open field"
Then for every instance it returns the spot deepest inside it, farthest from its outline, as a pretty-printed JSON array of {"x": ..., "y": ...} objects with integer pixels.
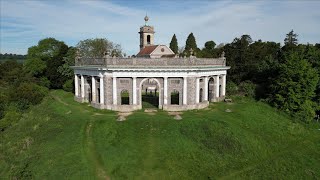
[{"x": 62, "y": 139}]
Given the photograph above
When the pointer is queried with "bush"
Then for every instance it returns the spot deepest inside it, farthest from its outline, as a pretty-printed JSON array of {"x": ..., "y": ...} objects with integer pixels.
[
  {"x": 231, "y": 88},
  {"x": 11, "y": 115},
  {"x": 68, "y": 85},
  {"x": 248, "y": 88},
  {"x": 27, "y": 94}
]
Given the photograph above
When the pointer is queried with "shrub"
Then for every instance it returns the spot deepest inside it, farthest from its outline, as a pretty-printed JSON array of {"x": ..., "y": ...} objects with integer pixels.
[
  {"x": 27, "y": 94},
  {"x": 231, "y": 88},
  {"x": 248, "y": 88},
  {"x": 68, "y": 85}
]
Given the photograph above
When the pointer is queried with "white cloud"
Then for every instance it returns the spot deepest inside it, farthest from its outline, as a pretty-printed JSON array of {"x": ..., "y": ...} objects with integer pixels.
[{"x": 24, "y": 23}]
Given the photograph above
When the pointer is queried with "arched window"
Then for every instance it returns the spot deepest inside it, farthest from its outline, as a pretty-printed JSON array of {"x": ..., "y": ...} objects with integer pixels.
[
  {"x": 148, "y": 39},
  {"x": 200, "y": 94},
  {"x": 124, "y": 97},
  {"x": 175, "y": 97}
]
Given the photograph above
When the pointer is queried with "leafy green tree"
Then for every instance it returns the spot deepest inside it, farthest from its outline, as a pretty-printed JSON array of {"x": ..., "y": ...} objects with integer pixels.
[
  {"x": 209, "y": 50},
  {"x": 44, "y": 59},
  {"x": 95, "y": 48},
  {"x": 294, "y": 88},
  {"x": 174, "y": 44}
]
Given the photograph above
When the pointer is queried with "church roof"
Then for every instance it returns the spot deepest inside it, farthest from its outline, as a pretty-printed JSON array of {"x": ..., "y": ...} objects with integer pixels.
[{"x": 147, "y": 50}]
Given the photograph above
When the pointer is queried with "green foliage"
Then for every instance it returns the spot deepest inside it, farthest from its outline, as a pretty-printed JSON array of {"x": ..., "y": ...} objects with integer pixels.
[
  {"x": 254, "y": 141},
  {"x": 174, "y": 44},
  {"x": 295, "y": 87},
  {"x": 12, "y": 115},
  {"x": 191, "y": 44},
  {"x": 209, "y": 50},
  {"x": 231, "y": 88},
  {"x": 291, "y": 39},
  {"x": 35, "y": 66},
  {"x": 69, "y": 85},
  {"x": 68, "y": 61},
  {"x": 247, "y": 88},
  {"x": 44, "y": 59},
  {"x": 27, "y": 94},
  {"x": 95, "y": 48}
]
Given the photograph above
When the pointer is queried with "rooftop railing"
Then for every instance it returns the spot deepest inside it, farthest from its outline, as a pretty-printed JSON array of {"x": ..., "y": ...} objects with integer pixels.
[{"x": 150, "y": 62}]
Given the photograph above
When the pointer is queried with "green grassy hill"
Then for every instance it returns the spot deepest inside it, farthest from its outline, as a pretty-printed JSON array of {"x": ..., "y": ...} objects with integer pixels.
[{"x": 62, "y": 139}]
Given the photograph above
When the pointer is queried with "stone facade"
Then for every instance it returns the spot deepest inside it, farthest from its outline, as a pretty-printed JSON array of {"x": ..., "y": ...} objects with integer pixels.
[{"x": 196, "y": 85}]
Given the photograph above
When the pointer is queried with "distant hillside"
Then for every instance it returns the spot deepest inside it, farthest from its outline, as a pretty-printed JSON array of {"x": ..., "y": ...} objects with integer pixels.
[{"x": 7, "y": 57}]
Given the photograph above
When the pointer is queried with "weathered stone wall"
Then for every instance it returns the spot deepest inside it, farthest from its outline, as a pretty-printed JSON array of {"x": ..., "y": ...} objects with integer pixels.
[
  {"x": 173, "y": 85},
  {"x": 124, "y": 84},
  {"x": 191, "y": 90}
]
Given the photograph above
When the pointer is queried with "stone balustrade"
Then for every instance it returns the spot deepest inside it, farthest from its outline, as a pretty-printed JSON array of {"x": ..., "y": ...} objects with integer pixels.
[{"x": 150, "y": 63}]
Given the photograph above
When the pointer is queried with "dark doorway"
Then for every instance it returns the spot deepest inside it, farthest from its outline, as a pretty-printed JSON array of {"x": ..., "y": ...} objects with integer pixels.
[
  {"x": 125, "y": 97},
  {"x": 175, "y": 97}
]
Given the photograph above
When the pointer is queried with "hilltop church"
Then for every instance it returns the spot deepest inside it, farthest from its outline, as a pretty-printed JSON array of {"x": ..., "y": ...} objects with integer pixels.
[{"x": 155, "y": 77}]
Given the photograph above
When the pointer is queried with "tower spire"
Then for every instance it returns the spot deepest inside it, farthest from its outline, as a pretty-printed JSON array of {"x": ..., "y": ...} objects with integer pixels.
[{"x": 146, "y": 19}]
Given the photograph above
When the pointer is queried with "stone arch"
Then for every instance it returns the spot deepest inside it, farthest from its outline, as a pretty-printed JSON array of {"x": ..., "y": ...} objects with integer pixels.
[
  {"x": 159, "y": 90},
  {"x": 125, "y": 97},
  {"x": 174, "y": 97}
]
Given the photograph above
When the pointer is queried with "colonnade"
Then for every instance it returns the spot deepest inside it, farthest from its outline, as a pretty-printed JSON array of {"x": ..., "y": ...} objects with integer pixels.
[{"x": 80, "y": 89}]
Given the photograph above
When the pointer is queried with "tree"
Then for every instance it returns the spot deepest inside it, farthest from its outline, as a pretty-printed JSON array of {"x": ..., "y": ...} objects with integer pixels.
[
  {"x": 191, "y": 44},
  {"x": 294, "y": 88},
  {"x": 209, "y": 50},
  {"x": 291, "y": 39},
  {"x": 44, "y": 59},
  {"x": 95, "y": 48},
  {"x": 174, "y": 44}
]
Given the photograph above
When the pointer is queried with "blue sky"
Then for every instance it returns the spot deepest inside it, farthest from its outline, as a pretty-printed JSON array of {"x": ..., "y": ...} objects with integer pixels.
[{"x": 24, "y": 22}]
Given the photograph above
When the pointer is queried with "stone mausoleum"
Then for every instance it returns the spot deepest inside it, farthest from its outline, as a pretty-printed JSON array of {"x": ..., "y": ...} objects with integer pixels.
[{"x": 155, "y": 76}]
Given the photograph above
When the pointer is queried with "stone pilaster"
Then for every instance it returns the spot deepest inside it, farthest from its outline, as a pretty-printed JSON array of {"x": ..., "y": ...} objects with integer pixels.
[
  {"x": 165, "y": 91},
  {"x": 223, "y": 85},
  {"x": 82, "y": 86},
  {"x": 206, "y": 88},
  {"x": 76, "y": 85},
  {"x": 197, "y": 89},
  {"x": 217, "y": 86},
  {"x": 185, "y": 90},
  {"x": 114, "y": 91},
  {"x": 134, "y": 90},
  {"x": 94, "y": 94},
  {"x": 101, "y": 90}
]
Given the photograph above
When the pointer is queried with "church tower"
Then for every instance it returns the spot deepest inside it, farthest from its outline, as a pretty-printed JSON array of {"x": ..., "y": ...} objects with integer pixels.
[{"x": 146, "y": 34}]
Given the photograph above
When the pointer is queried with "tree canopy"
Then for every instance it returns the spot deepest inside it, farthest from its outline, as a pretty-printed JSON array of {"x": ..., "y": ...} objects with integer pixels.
[
  {"x": 174, "y": 44},
  {"x": 95, "y": 48}
]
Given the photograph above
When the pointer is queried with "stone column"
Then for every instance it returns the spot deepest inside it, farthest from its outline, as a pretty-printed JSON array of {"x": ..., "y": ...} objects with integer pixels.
[
  {"x": 165, "y": 91},
  {"x": 114, "y": 91},
  {"x": 185, "y": 90},
  {"x": 223, "y": 85},
  {"x": 197, "y": 89},
  {"x": 94, "y": 95},
  {"x": 82, "y": 86},
  {"x": 76, "y": 85},
  {"x": 217, "y": 85},
  {"x": 101, "y": 91},
  {"x": 134, "y": 90},
  {"x": 206, "y": 88}
]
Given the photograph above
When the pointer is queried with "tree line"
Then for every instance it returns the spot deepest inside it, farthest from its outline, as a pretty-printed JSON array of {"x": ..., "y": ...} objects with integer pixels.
[{"x": 287, "y": 77}]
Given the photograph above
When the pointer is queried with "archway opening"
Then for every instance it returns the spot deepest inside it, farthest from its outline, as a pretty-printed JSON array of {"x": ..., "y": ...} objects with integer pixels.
[
  {"x": 150, "y": 93},
  {"x": 211, "y": 89},
  {"x": 200, "y": 95},
  {"x": 125, "y": 97},
  {"x": 89, "y": 89},
  {"x": 148, "y": 39},
  {"x": 174, "y": 97}
]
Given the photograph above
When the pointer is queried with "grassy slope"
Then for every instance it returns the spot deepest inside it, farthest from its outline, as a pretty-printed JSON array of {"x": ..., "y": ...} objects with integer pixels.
[{"x": 63, "y": 139}]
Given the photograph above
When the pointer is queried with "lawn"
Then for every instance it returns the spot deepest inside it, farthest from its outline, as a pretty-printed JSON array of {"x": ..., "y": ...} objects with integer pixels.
[{"x": 62, "y": 139}]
